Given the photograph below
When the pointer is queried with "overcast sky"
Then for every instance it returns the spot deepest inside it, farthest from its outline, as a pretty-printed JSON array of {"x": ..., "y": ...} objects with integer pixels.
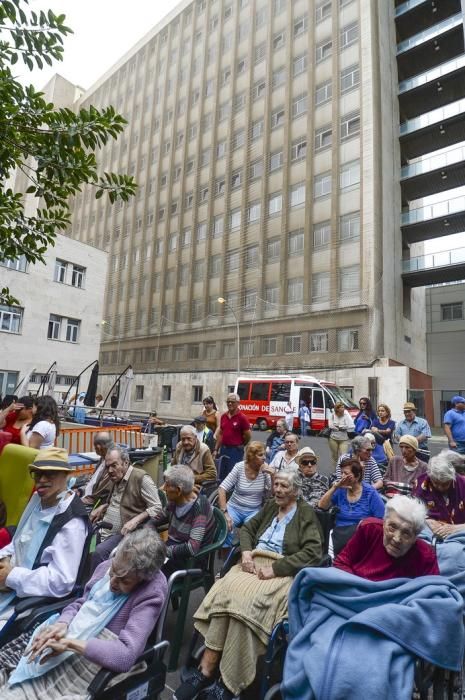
[{"x": 103, "y": 31}]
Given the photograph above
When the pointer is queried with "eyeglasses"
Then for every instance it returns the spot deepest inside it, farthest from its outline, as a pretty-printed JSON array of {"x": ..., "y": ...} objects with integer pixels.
[
  {"x": 306, "y": 462},
  {"x": 231, "y": 401},
  {"x": 37, "y": 475}
]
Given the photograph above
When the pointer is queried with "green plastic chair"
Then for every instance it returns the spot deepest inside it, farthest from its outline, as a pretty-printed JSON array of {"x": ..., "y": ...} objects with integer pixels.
[
  {"x": 16, "y": 484},
  {"x": 190, "y": 579}
]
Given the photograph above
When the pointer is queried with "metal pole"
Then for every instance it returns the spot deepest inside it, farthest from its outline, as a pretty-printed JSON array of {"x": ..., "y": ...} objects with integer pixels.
[{"x": 238, "y": 345}]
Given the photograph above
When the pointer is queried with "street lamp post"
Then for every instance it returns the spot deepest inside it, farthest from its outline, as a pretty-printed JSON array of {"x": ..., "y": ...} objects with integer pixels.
[
  {"x": 221, "y": 300},
  {"x": 103, "y": 325}
]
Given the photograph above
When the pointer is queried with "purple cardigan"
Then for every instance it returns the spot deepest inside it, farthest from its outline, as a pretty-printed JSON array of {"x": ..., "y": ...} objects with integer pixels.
[{"x": 133, "y": 622}]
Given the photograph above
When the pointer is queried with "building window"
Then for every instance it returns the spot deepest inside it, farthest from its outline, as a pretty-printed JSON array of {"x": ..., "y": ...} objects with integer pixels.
[
  {"x": 10, "y": 319},
  {"x": 257, "y": 129},
  {"x": 295, "y": 290},
  {"x": 197, "y": 391},
  {"x": 139, "y": 392},
  {"x": 347, "y": 340},
  {"x": 322, "y": 234},
  {"x": 349, "y": 226},
  {"x": 322, "y": 11},
  {"x": 296, "y": 242},
  {"x": 253, "y": 212},
  {"x": 300, "y": 25},
  {"x": 279, "y": 77},
  {"x": 18, "y": 264},
  {"x": 239, "y": 102},
  {"x": 241, "y": 66},
  {"x": 273, "y": 249},
  {"x": 201, "y": 231},
  {"x": 297, "y": 195},
  {"x": 323, "y": 50},
  {"x": 256, "y": 169},
  {"x": 275, "y": 204},
  {"x": 210, "y": 351},
  {"x": 250, "y": 299},
  {"x": 166, "y": 392},
  {"x": 276, "y": 161},
  {"x": 198, "y": 270},
  {"x": 218, "y": 226},
  {"x": 299, "y": 64},
  {"x": 72, "y": 330},
  {"x": 320, "y": 286},
  {"x": 292, "y": 344},
  {"x": 236, "y": 179},
  {"x": 299, "y": 150},
  {"x": 235, "y": 219},
  {"x": 186, "y": 237},
  {"x": 269, "y": 346},
  {"x": 260, "y": 52},
  {"x": 319, "y": 342},
  {"x": 452, "y": 311},
  {"x": 238, "y": 139},
  {"x": 193, "y": 353},
  {"x": 60, "y": 271},
  {"x": 350, "y": 78},
  {"x": 54, "y": 327},
  {"x": 172, "y": 242},
  {"x": 349, "y": 280},
  {"x": 247, "y": 348},
  {"x": 221, "y": 149},
  {"x": 215, "y": 266},
  {"x": 260, "y": 18},
  {"x": 251, "y": 256},
  {"x": 350, "y": 125},
  {"x": 350, "y": 175},
  {"x": 272, "y": 294},
  {"x": 232, "y": 261},
  {"x": 279, "y": 40},
  {"x": 323, "y": 93},
  {"x": 299, "y": 105},
  {"x": 259, "y": 90},
  {"x": 229, "y": 350},
  {"x": 277, "y": 118},
  {"x": 322, "y": 185},
  {"x": 323, "y": 137},
  {"x": 349, "y": 35}
]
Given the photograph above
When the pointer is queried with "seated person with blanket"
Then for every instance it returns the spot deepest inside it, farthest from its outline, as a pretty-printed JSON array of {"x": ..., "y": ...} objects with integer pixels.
[
  {"x": 383, "y": 598},
  {"x": 190, "y": 518},
  {"x": 45, "y": 556},
  {"x": 238, "y": 614},
  {"x": 107, "y": 628}
]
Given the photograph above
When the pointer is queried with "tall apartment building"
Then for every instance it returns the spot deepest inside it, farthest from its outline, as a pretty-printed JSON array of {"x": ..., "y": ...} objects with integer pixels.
[{"x": 267, "y": 141}]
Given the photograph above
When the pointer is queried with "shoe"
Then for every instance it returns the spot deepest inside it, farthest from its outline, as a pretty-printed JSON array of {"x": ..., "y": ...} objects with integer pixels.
[
  {"x": 193, "y": 686},
  {"x": 219, "y": 692}
]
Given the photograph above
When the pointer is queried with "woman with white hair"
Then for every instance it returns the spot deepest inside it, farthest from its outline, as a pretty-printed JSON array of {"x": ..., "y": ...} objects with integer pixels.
[
  {"x": 389, "y": 548},
  {"x": 195, "y": 454},
  {"x": 241, "y": 609},
  {"x": 443, "y": 492}
]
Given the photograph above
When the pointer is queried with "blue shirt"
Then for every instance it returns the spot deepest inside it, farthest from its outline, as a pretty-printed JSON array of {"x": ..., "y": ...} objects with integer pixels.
[
  {"x": 417, "y": 426},
  {"x": 272, "y": 538},
  {"x": 456, "y": 420},
  {"x": 369, "y": 505}
]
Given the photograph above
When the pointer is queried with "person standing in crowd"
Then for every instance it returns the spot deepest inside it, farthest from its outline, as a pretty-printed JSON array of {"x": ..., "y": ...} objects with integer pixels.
[
  {"x": 286, "y": 459},
  {"x": 132, "y": 500},
  {"x": 314, "y": 485},
  {"x": 275, "y": 441},
  {"x": 365, "y": 416},
  {"x": 416, "y": 426},
  {"x": 289, "y": 418},
  {"x": 340, "y": 424},
  {"x": 204, "y": 434},
  {"x": 195, "y": 454},
  {"x": 454, "y": 425},
  {"x": 14, "y": 417},
  {"x": 98, "y": 486},
  {"x": 45, "y": 425},
  {"x": 211, "y": 414},
  {"x": 304, "y": 418},
  {"x": 234, "y": 432},
  {"x": 403, "y": 470}
]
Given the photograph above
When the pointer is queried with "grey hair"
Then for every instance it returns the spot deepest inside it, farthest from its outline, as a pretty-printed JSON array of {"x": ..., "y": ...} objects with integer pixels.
[
  {"x": 455, "y": 459},
  {"x": 181, "y": 477},
  {"x": 188, "y": 429},
  {"x": 143, "y": 552},
  {"x": 234, "y": 396},
  {"x": 410, "y": 509},
  {"x": 103, "y": 439},
  {"x": 440, "y": 468},
  {"x": 369, "y": 436},
  {"x": 122, "y": 451},
  {"x": 293, "y": 478},
  {"x": 358, "y": 443}
]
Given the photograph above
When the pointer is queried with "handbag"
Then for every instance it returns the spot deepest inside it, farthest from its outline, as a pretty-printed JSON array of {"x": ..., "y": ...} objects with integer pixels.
[{"x": 325, "y": 432}]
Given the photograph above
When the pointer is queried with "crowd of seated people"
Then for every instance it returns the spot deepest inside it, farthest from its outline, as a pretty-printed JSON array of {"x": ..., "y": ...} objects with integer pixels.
[{"x": 273, "y": 508}]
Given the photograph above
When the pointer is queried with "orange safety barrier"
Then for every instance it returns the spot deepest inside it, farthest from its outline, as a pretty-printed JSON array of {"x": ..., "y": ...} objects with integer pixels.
[{"x": 81, "y": 438}]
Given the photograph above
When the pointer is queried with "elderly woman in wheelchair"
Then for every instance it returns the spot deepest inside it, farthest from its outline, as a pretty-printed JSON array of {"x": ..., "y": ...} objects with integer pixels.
[
  {"x": 385, "y": 599},
  {"x": 108, "y": 627},
  {"x": 241, "y": 609}
]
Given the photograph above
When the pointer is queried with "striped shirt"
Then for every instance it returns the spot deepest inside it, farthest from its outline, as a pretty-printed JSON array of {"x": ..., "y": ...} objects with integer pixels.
[
  {"x": 247, "y": 494},
  {"x": 190, "y": 531},
  {"x": 371, "y": 471}
]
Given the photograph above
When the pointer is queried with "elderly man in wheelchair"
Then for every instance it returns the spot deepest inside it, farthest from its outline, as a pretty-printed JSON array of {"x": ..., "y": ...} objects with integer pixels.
[{"x": 385, "y": 600}]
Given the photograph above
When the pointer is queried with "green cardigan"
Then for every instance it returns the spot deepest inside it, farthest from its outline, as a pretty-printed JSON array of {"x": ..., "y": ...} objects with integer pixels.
[{"x": 302, "y": 544}]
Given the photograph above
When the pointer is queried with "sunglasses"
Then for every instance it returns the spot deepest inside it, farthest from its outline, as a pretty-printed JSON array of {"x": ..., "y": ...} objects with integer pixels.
[
  {"x": 306, "y": 462},
  {"x": 36, "y": 475}
]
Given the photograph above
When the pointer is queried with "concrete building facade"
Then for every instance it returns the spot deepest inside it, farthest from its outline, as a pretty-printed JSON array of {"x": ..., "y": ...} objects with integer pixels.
[
  {"x": 58, "y": 318},
  {"x": 267, "y": 138}
]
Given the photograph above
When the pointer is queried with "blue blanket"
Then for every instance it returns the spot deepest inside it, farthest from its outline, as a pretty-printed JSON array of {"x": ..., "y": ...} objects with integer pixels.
[
  {"x": 451, "y": 557},
  {"x": 352, "y": 638}
]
